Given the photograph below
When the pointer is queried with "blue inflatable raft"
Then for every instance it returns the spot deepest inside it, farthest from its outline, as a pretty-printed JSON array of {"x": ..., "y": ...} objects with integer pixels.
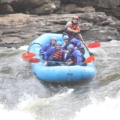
[{"x": 58, "y": 73}]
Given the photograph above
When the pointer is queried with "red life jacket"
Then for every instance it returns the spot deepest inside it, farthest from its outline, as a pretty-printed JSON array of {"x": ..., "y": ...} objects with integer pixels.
[{"x": 58, "y": 55}]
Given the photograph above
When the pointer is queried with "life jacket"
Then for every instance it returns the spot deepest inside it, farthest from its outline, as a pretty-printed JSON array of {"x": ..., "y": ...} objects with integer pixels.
[
  {"x": 57, "y": 56},
  {"x": 74, "y": 59},
  {"x": 74, "y": 27}
]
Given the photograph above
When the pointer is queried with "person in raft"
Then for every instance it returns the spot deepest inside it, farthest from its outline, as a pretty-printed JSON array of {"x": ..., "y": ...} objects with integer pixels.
[
  {"x": 74, "y": 56},
  {"x": 54, "y": 55},
  {"x": 47, "y": 46},
  {"x": 76, "y": 43},
  {"x": 72, "y": 29}
]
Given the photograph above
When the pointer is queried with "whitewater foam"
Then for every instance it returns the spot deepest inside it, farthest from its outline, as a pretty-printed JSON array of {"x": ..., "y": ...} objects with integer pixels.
[
  {"x": 23, "y": 47},
  {"x": 107, "y": 110},
  {"x": 14, "y": 114}
]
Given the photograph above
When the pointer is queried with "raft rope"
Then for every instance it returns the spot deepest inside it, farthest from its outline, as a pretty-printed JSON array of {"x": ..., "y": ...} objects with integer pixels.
[{"x": 32, "y": 45}]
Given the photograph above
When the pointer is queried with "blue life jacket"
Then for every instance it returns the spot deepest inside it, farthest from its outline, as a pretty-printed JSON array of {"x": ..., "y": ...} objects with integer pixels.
[
  {"x": 75, "y": 42},
  {"x": 54, "y": 55},
  {"x": 76, "y": 56},
  {"x": 45, "y": 48}
]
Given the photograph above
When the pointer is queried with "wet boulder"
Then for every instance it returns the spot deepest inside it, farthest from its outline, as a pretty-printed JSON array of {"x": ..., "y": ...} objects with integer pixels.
[
  {"x": 73, "y": 8},
  {"x": 6, "y": 9},
  {"x": 45, "y": 9}
]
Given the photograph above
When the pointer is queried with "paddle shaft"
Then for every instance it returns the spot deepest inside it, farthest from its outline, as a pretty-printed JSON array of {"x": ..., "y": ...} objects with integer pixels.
[
  {"x": 56, "y": 62},
  {"x": 84, "y": 44}
]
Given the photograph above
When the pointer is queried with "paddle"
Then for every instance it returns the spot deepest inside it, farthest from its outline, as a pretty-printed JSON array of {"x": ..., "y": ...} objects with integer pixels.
[
  {"x": 27, "y": 56},
  {"x": 36, "y": 60},
  {"x": 90, "y": 59},
  {"x": 94, "y": 45},
  {"x": 87, "y": 60},
  {"x": 85, "y": 45}
]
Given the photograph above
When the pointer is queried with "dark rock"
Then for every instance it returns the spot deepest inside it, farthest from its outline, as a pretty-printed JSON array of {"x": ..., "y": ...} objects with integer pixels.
[
  {"x": 114, "y": 23},
  {"x": 6, "y": 9},
  {"x": 85, "y": 2},
  {"x": 24, "y": 2},
  {"x": 108, "y": 3},
  {"x": 101, "y": 34},
  {"x": 88, "y": 9},
  {"x": 85, "y": 26},
  {"x": 9, "y": 40},
  {"x": 94, "y": 17},
  {"x": 65, "y": 1},
  {"x": 46, "y": 9},
  {"x": 57, "y": 3},
  {"x": 97, "y": 3},
  {"x": 76, "y": 9},
  {"x": 10, "y": 31},
  {"x": 111, "y": 7},
  {"x": 70, "y": 8},
  {"x": 24, "y": 5}
]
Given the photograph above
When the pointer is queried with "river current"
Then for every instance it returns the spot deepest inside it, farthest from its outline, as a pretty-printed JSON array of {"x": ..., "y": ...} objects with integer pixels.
[{"x": 24, "y": 97}]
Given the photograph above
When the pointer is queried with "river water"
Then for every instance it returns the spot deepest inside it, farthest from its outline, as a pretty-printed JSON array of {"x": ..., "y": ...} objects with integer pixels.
[{"x": 23, "y": 96}]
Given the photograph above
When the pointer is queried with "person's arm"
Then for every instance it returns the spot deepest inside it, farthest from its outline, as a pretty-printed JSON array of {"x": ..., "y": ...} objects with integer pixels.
[
  {"x": 67, "y": 57},
  {"x": 79, "y": 60},
  {"x": 78, "y": 56},
  {"x": 67, "y": 27},
  {"x": 77, "y": 30},
  {"x": 46, "y": 55},
  {"x": 75, "y": 42},
  {"x": 43, "y": 49},
  {"x": 78, "y": 44},
  {"x": 71, "y": 30}
]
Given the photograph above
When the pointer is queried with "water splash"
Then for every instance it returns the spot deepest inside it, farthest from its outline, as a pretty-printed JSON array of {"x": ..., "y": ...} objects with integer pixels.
[
  {"x": 99, "y": 52},
  {"x": 23, "y": 47},
  {"x": 64, "y": 94},
  {"x": 107, "y": 110},
  {"x": 14, "y": 114},
  {"x": 49, "y": 107},
  {"x": 33, "y": 102}
]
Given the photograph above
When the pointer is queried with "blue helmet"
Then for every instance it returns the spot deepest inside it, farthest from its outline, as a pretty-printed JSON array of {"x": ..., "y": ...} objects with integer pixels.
[
  {"x": 65, "y": 37},
  {"x": 70, "y": 46},
  {"x": 59, "y": 43}
]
